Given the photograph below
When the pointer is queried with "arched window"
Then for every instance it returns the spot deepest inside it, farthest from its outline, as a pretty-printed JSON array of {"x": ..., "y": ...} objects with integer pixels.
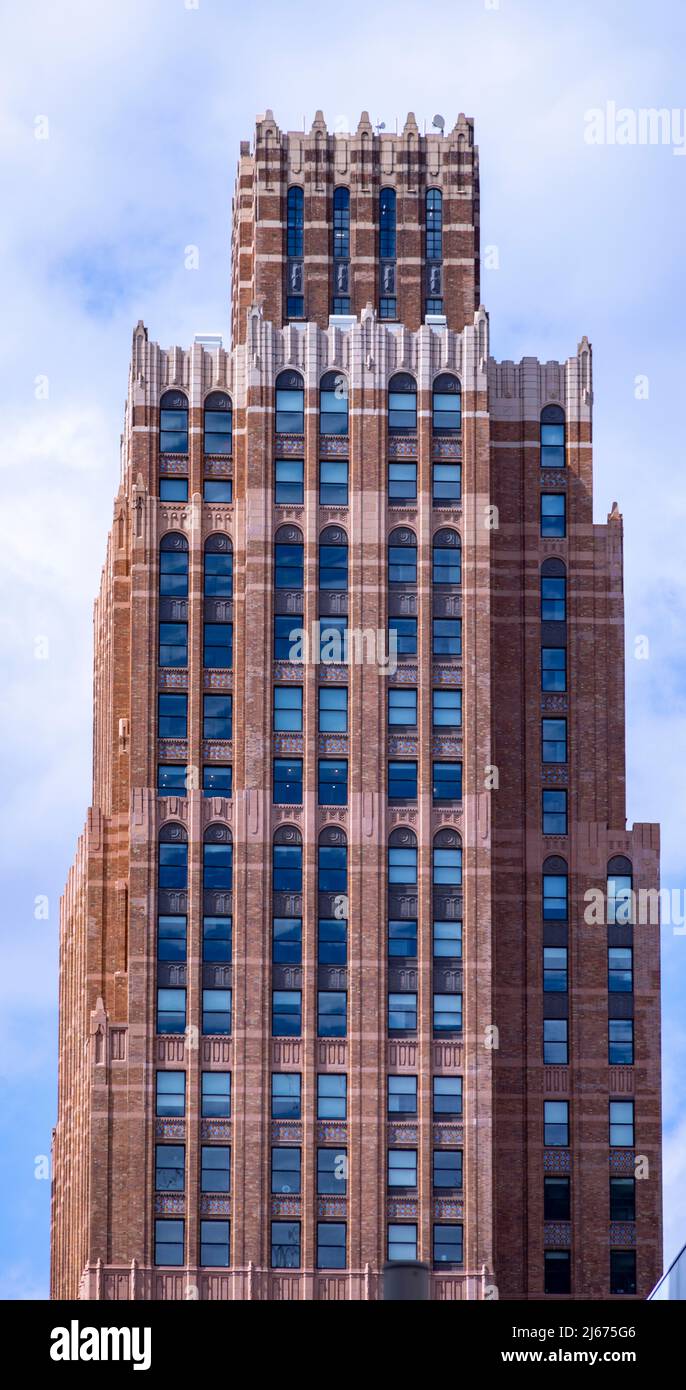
[
  {"x": 446, "y": 404},
  {"x": 402, "y": 404},
  {"x": 172, "y": 870},
  {"x": 287, "y": 861},
  {"x": 295, "y": 221},
  {"x": 434, "y": 225},
  {"x": 387, "y": 224},
  {"x": 217, "y": 423},
  {"x": 553, "y": 592},
  {"x": 290, "y": 403},
  {"x": 333, "y": 404},
  {"x": 174, "y": 423},
  {"x": 620, "y": 891},
  {"x": 289, "y": 572},
  {"x": 402, "y": 859},
  {"x": 173, "y": 566},
  {"x": 341, "y": 224},
  {"x": 333, "y": 559},
  {"x": 218, "y": 575},
  {"x": 217, "y": 860},
  {"x": 447, "y": 557},
  {"x": 332, "y": 864},
  {"x": 552, "y": 437},
  {"x": 402, "y": 556},
  {"x": 555, "y": 889},
  {"x": 447, "y": 860}
]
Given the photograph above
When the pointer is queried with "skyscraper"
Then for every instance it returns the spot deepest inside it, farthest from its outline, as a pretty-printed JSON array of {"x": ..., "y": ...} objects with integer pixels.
[{"x": 354, "y": 964}]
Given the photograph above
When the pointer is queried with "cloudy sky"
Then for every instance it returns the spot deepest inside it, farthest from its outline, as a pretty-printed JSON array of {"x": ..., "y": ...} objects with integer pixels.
[{"x": 119, "y": 132}]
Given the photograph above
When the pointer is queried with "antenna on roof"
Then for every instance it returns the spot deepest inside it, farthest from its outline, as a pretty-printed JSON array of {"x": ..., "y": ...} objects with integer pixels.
[{"x": 380, "y": 125}]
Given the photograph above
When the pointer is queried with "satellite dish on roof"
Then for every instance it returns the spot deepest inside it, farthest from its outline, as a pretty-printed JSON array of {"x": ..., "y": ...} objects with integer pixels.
[{"x": 439, "y": 123}]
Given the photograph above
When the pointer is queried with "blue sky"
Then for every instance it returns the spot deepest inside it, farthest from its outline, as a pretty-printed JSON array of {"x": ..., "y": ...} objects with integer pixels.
[{"x": 145, "y": 107}]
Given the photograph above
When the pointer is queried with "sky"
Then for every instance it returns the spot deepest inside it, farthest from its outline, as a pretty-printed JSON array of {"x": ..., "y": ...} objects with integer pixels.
[{"x": 119, "y": 135}]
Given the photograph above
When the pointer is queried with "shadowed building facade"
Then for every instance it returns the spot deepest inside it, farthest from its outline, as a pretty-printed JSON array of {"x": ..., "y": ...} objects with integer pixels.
[{"x": 330, "y": 991}]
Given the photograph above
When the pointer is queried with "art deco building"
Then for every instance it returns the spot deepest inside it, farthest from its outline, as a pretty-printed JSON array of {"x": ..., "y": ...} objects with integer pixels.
[{"x": 329, "y": 995}]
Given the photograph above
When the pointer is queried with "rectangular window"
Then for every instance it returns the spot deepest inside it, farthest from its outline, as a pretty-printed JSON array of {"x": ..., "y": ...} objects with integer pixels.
[
  {"x": 215, "y": 1101},
  {"x": 402, "y": 1240},
  {"x": 447, "y": 1096},
  {"x": 623, "y": 1271},
  {"x": 402, "y": 1095},
  {"x": 553, "y": 669},
  {"x": 171, "y": 779},
  {"x": 556, "y": 1124},
  {"x": 434, "y": 306},
  {"x": 621, "y": 1124},
  {"x": 447, "y": 939},
  {"x": 171, "y": 1010},
  {"x": 173, "y": 489},
  {"x": 215, "y": 1168},
  {"x": 168, "y": 1242},
  {"x": 447, "y": 1011},
  {"x": 555, "y": 969},
  {"x": 333, "y": 709},
  {"x": 341, "y": 304},
  {"x": 286, "y": 637},
  {"x": 286, "y": 1013},
  {"x": 172, "y": 716},
  {"x": 216, "y": 939},
  {"x": 332, "y": 940},
  {"x": 402, "y": 1168},
  {"x": 214, "y": 1244},
  {"x": 288, "y": 709},
  {"x": 620, "y": 1042},
  {"x": 217, "y": 779},
  {"x": 402, "y": 484},
  {"x": 216, "y": 1011},
  {"x": 447, "y": 484},
  {"x": 331, "y": 1240},
  {"x": 332, "y": 1092},
  {"x": 555, "y": 897},
  {"x": 217, "y": 716},
  {"x": 447, "y": 782},
  {"x": 295, "y": 306},
  {"x": 170, "y": 1165},
  {"x": 333, "y": 483},
  {"x": 554, "y": 812},
  {"x": 553, "y": 598},
  {"x": 402, "y": 938},
  {"x": 332, "y": 1007},
  {"x": 402, "y": 781},
  {"x": 288, "y": 781},
  {"x": 620, "y": 970},
  {"x": 402, "y": 1012},
  {"x": 553, "y": 446},
  {"x": 554, "y": 740},
  {"x": 287, "y": 940},
  {"x": 555, "y": 1046},
  {"x": 448, "y": 1245},
  {"x": 620, "y": 903},
  {"x": 622, "y": 1199},
  {"x": 446, "y": 636},
  {"x": 402, "y": 636},
  {"x": 286, "y": 1086},
  {"x": 388, "y": 307},
  {"x": 402, "y": 564},
  {"x": 556, "y": 1199},
  {"x": 447, "y": 1169},
  {"x": 285, "y": 1245},
  {"x": 289, "y": 488},
  {"x": 557, "y": 1271},
  {"x": 173, "y": 644},
  {"x": 402, "y": 707},
  {"x": 217, "y": 490},
  {"x": 333, "y": 782},
  {"x": 332, "y": 1167},
  {"x": 286, "y": 1165},
  {"x": 447, "y": 709},
  {"x": 553, "y": 514},
  {"x": 170, "y": 1100},
  {"x": 218, "y": 645}
]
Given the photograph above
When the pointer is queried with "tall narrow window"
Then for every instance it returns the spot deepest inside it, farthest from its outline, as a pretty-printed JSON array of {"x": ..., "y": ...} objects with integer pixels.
[
  {"x": 552, "y": 437},
  {"x": 434, "y": 225},
  {"x": 446, "y": 414},
  {"x": 296, "y": 221},
  {"x": 290, "y": 403},
  {"x": 173, "y": 566},
  {"x": 174, "y": 423},
  {"x": 333, "y": 404},
  {"x": 217, "y": 433},
  {"x": 446, "y": 558},
  {"x": 619, "y": 891},
  {"x": 402, "y": 404},
  {"x": 387, "y": 224},
  {"x": 341, "y": 224},
  {"x": 218, "y": 574},
  {"x": 553, "y": 592}
]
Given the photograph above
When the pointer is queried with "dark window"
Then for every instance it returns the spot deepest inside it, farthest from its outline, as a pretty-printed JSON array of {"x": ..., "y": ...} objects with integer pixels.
[
  {"x": 340, "y": 304},
  {"x": 332, "y": 1007},
  {"x": 333, "y": 404},
  {"x": 447, "y": 1012},
  {"x": 555, "y": 890},
  {"x": 402, "y": 938},
  {"x": 402, "y": 483},
  {"x": 333, "y": 567},
  {"x": 287, "y": 940},
  {"x": 173, "y": 423},
  {"x": 287, "y": 873},
  {"x": 402, "y": 1168},
  {"x": 290, "y": 402},
  {"x": 434, "y": 225},
  {"x": 285, "y": 1244},
  {"x": 446, "y": 636},
  {"x": 215, "y": 1244},
  {"x": 217, "y": 863},
  {"x": 333, "y": 709},
  {"x": 434, "y": 306},
  {"x": 402, "y": 636},
  {"x": 217, "y": 490},
  {"x": 168, "y": 1242},
  {"x": 556, "y": 1124},
  {"x": 217, "y": 779},
  {"x": 216, "y": 721},
  {"x": 402, "y": 563},
  {"x": 557, "y": 1271},
  {"x": 620, "y": 1042},
  {"x": 288, "y": 781},
  {"x": 622, "y": 1199},
  {"x": 333, "y": 782},
  {"x": 447, "y": 782},
  {"x": 447, "y": 709},
  {"x": 402, "y": 1240},
  {"x": 341, "y": 224},
  {"x": 173, "y": 644},
  {"x": 402, "y": 781},
  {"x": 216, "y": 1095},
  {"x": 554, "y": 969},
  {"x": 333, "y": 483},
  {"x": 295, "y": 212},
  {"x": 286, "y": 1165},
  {"x": 402, "y": 404},
  {"x": 173, "y": 566},
  {"x": 332, "y": 875},
  {"x": 173, "y": 864},
  {"x": 171, "y": 779},
  {"x": 622, "y": 1124},
  {"x": 286, "y": 1013},
  {"x": 215, "y": 1168},
  {"x": 172, "y": 716},
  {"x": 554, "y": 812},
  {"x": 218, "y": 645},
  {"x": 554, "y": 740},
  {"x": 288, "y": 565},
  {"x": 288, "y": 708},
  {"x": 402, "y": 864},
  {"x": 295, "y": 306},
  {"x": 448, "y": 1245},
  {"x": 623, "y": 1271},
  {"x": 171, "y": 1010},
  {"x": 286, "y": 1103},
  {"x": 447, "y": 1170},
  {"x": 332, "y": 1090},
  {"x": 446, "y": 403},
  {"x": 171, "y": 938},
  {"x": 555, "y": 1047},
  {"x": 553, "y": 514},
  {"x": 332, "y": 941},
  {"x": 169, "y": 1167},
  {"x": 217, "y": 424},
  {"x": 447, "y": 940},
  {"x": 553, "y": 669},
  {"x": 216, "y": 938},
  {"x": 289, "y": 482},
  {"x": 553, "y": 598},
  {"x": 447, "y": 1096},
  {"x": 287, "y": 636},
  {"x": 620, "y": 973},
  {"x": 402, "y": 1095},
  {"x": 447, "y": 484},
  {"x": 447, "y": 865},
  {"x": 402, "y": 1012},
  {"x": 387, "y": 224},
  {"x": 402, "y": 707},
  {"x": 331, "y": 1244},
  {"x": 331, "y": 1172},
  {"x": 388, "y": 307},
  {"x": 218, "y": 578},
  {"x": 170, "y": 1094},
  {"x": 216, "y": 1011},
  {"x": 556, "y": 1199},
  {"x": 552, "y": 437}
]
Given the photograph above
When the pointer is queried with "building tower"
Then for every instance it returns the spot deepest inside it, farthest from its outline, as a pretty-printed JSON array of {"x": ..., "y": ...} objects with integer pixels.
[{"x": 330, "y": 990}]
